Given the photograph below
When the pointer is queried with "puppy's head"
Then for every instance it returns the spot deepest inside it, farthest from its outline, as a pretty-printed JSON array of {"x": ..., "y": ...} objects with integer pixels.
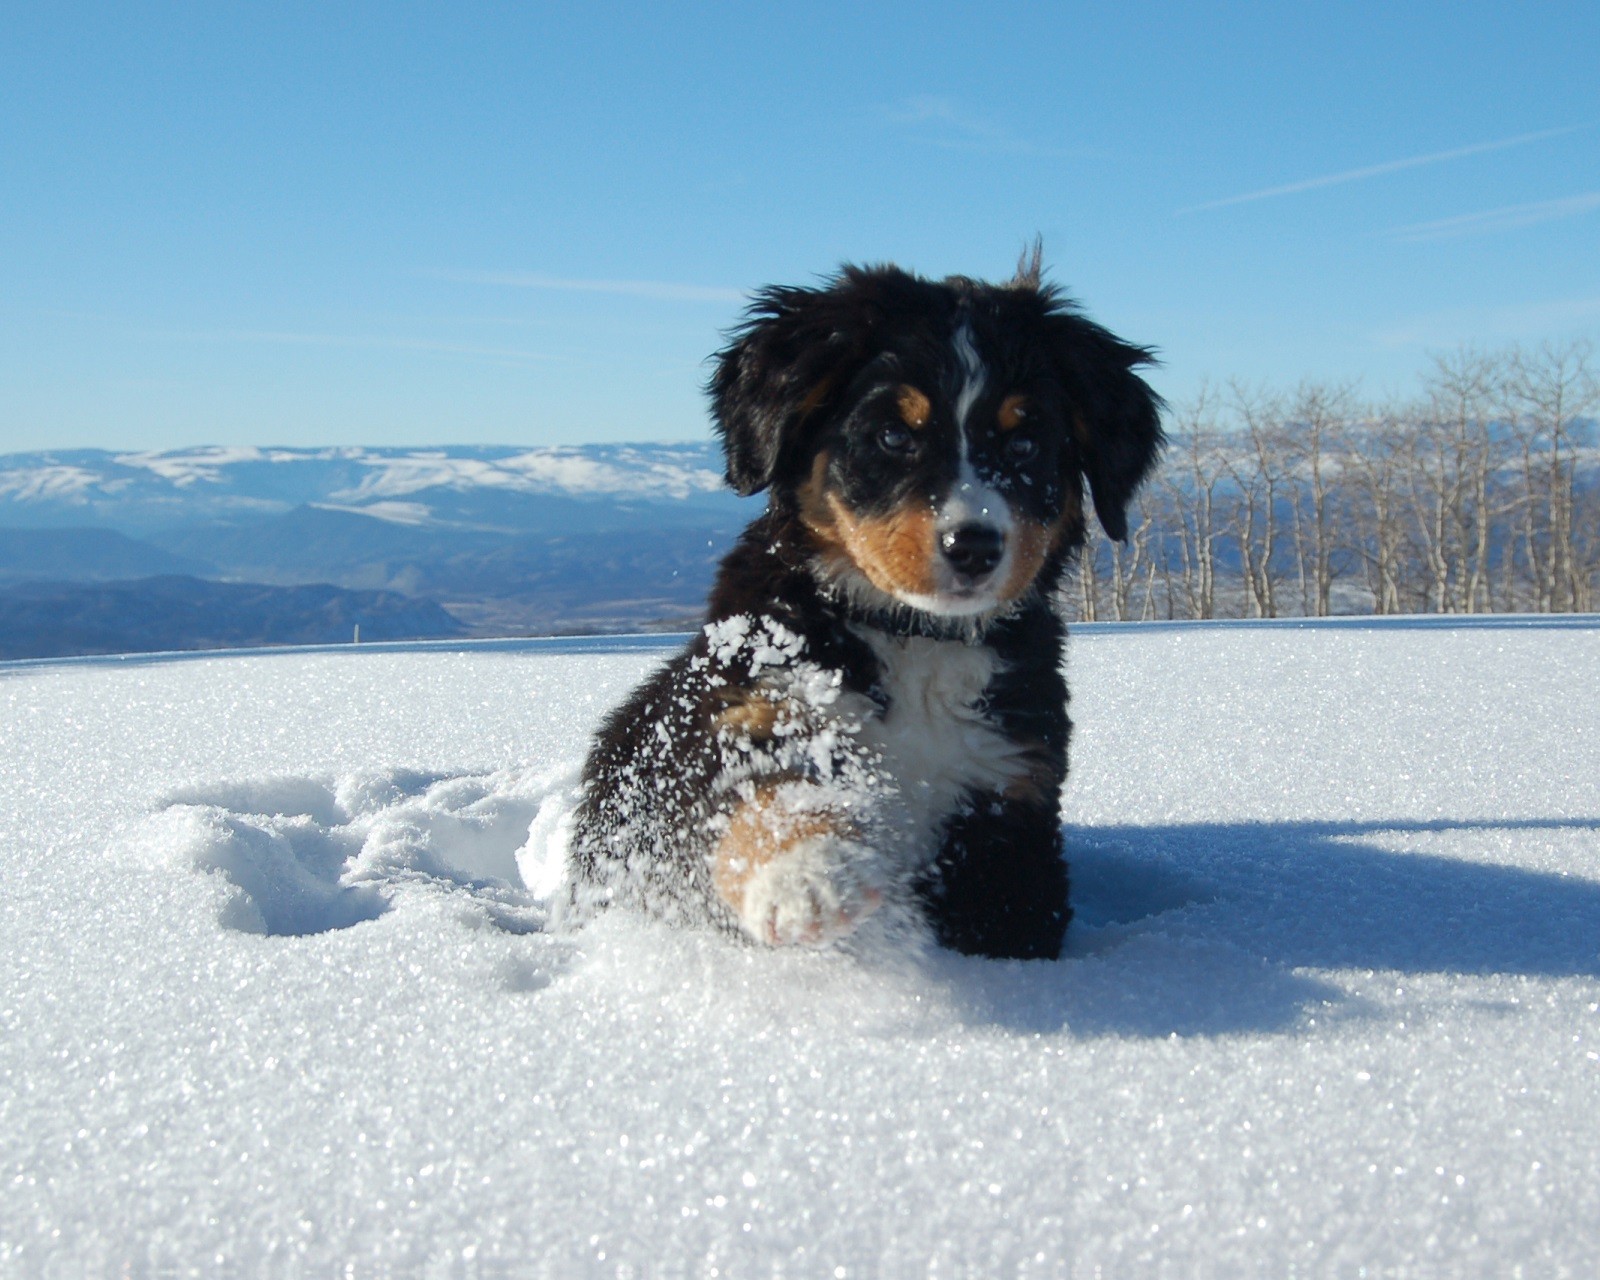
[{"x": 935, "y": 437}]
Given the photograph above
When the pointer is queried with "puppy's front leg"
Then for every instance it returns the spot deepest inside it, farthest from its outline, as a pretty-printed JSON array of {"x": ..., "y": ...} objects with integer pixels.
[{"x": 791, "y": 868}]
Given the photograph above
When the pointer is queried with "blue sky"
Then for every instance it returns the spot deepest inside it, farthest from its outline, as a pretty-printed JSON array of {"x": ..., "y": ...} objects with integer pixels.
[{"x": 415, "y": 223}]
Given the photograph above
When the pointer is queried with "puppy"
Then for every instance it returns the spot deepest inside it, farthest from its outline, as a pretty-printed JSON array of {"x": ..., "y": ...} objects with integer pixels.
[{"x": 875, "y": 711}]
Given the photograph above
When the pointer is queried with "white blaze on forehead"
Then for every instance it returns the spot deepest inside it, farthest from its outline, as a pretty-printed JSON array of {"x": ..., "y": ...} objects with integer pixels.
[
  {"x": 971, "y": 499},
  {"x": 973, "y": 375}
]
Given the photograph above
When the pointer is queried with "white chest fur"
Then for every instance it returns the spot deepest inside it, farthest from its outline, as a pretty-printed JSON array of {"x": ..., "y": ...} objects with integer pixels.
[{"x": 935, "y": 740}]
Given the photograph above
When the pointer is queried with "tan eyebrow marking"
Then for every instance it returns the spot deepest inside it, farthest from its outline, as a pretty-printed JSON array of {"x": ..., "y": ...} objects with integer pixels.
[
  {"x": 915, "y": 407},
  {"x": 1013, "y": 410}
]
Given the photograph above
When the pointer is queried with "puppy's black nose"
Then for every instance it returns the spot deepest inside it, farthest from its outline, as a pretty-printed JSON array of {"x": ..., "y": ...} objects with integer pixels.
[{"x": 973, "y": 549}]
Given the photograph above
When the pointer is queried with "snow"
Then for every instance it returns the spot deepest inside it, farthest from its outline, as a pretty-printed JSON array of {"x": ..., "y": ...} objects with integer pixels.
[
  {"x": 35, "y": 484},
  {"x": 187, "y": 467},
  {"x": 278, "y": 994},
  {"x": 547, "y": 470},
  {"x": 631, "y": 472},
  {"x": 411, "y": 513},
  {"x": 384, "y": 482}
]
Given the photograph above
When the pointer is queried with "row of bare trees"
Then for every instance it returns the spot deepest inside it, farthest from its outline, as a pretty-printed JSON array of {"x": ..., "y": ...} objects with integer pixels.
[{"x": 1482, "y": 496}]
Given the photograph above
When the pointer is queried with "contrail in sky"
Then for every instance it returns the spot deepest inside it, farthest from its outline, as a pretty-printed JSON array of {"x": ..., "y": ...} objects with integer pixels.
[{"x": 1376, "y": 170}]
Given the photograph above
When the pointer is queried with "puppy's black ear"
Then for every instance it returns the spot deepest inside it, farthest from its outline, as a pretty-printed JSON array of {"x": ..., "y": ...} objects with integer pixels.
[
  {"x": 1117, "y": 418},
  {"x": 793, "y": 353}
]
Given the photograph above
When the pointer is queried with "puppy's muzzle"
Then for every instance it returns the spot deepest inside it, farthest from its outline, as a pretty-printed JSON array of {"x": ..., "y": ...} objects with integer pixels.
[{"x": 973, "y": 549}]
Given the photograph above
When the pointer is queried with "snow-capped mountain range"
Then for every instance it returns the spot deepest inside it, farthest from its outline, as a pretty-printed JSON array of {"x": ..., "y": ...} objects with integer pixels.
[
  {"x": 462, "y": 486},
  {"x": 509, "y": 540}
]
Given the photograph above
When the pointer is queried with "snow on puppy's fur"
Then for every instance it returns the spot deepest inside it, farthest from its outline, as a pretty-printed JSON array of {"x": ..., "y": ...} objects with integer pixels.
[{"x": 874, "y": 712}]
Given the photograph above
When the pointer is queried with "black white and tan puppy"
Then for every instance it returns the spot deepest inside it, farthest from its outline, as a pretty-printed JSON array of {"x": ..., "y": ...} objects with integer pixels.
[{"x": 874, "y": 712}]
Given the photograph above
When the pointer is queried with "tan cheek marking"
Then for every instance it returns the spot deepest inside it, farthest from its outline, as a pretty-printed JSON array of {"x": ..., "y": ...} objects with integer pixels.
[
  {"x": 895, "y": 552},
  {"x": 1032, "y": 543},
  {"x": 760, "y": 831},
  {"x": 914, "y": 407},
  {"x": 817, "y": 515},
  {"x": 1080, "y": 429},
  {"x": 1013, "y": 410}
]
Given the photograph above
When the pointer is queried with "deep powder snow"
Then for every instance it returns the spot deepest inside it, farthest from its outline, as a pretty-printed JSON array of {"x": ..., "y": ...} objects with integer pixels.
[{"x": 278, "y": 991}]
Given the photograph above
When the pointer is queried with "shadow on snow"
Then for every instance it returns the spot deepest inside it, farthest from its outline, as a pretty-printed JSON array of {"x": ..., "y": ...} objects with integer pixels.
[{"x": 1211, "y": 928}]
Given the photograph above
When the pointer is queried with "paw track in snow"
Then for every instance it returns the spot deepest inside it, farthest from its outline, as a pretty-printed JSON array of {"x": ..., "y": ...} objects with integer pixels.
[{"x": 303, "y": 856}]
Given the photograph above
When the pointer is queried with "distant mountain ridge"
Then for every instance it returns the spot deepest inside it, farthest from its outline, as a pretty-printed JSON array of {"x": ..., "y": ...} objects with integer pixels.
[
  {"x": 85, "y": 555},
  {"x": 489, "y": 487},
  {"x": 61, "y": 619},
  {"x": 507, "y": 540}
]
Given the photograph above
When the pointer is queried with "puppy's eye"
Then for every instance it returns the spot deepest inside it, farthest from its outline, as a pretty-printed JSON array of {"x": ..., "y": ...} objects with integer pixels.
[
  {"x": 1020, "y": 448},
  {"x": 896, "y": 440}
]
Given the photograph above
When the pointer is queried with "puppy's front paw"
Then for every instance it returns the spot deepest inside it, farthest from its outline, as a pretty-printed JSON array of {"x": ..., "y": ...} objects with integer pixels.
[
  {"x": 792, "y": 874},
  {"x": 807, "y": 896}
]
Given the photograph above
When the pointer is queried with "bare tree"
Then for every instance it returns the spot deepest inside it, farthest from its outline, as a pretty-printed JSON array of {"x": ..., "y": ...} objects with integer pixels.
[
  {"x": 1258, "y": 474},
  {"x": 1317, "y": 418},
  {"x": 1586, "y": 544},
  {"x": 1452, "y": 459},
  {"x": 1189, "y": 484},
  {"x": 1547, "y": 395},
  {"x": 1133, "y": 567},
  {"x": 1084, "y": 599},
  {"x": 1373, "y": 455},
  {"x": 1482, "y": 495}
]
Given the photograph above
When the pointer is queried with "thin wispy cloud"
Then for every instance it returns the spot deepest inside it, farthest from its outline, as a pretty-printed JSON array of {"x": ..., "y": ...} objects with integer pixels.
[
  {"x": 1389, "y": 166},
  {"x": 1507, "y": 218},
  {"x": 941, "y": 122},
  {"x": 659, "y": 290}
]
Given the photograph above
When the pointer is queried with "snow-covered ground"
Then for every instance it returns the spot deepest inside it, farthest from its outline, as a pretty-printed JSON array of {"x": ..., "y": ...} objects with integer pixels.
[{"x": 275, "y": 997}]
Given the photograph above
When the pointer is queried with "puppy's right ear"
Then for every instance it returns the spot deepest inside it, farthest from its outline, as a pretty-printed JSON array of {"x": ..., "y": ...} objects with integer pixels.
[{"x": 776, "y": 376}]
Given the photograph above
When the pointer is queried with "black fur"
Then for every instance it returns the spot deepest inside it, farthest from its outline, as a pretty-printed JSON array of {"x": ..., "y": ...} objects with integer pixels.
[{"x": 806, "y": 402}]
